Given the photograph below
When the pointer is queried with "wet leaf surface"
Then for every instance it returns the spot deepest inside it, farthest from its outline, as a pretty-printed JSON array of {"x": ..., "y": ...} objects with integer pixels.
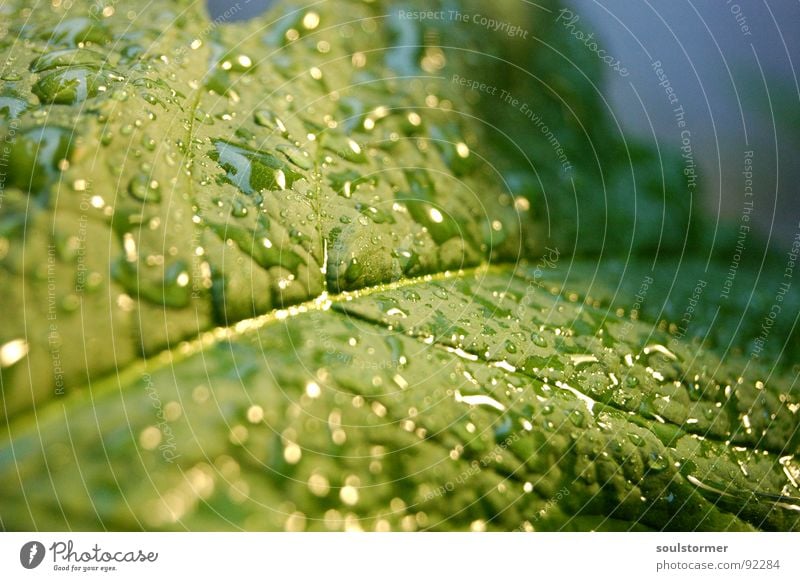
[{"x": 279, "y": 275}]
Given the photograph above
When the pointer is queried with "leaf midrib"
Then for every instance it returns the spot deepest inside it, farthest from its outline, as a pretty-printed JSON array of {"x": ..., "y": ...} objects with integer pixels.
[
  {"x": 321, "y": 303},
  {"x": 211, "y": 337}
]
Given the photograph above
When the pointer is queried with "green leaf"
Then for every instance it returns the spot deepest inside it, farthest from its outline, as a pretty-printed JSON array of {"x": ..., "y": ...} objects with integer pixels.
[
  {"x": 450, "y": 402},
  {"x": 280, "y": 275}
]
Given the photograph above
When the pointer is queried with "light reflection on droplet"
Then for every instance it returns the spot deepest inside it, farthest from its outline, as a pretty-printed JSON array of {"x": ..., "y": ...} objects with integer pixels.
[
  {"x": 255, "y": 414},
  {"x": 313, "y": 390},
  {"x": 436, "y": 215},
  {"x": 238, "y": 435},
  {"x": 295, "y": 523},
  {"x": 310, "y": 20},
  {"x": 150, "y": 438},
  {"x": 318, "y": 485},
  {"x": 280, "y": 179},
  {"x": 292, "y": 453},
  {"x": 12, "y": 352},
  {"x": 349, "y": 495}
]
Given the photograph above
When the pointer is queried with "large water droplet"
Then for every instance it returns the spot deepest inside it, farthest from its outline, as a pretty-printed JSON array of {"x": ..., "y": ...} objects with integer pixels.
[
  {"x": 344, "y": 147},
  {"x": 354, "y": 270},
  {"x": 636, "y": 439},
  {"x": 252, "y": 171},
  {"x": 70, "y": 85},
  {"x": 377, "y": 215},
  {"x": 35, "y": 156},
  {"x": 296, "y": 156},
  {"x": 67, "y": 58},
  {"x": 345, "y": 183},
  {"x": 419, "y": 201}
]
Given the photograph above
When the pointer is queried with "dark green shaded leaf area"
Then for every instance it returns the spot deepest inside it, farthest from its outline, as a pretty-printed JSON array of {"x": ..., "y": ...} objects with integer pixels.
[{"x": 288, "y": 275}]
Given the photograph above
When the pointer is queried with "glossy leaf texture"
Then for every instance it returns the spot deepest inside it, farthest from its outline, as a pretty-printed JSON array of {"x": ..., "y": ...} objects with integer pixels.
[{"x": 291, "y": 275}]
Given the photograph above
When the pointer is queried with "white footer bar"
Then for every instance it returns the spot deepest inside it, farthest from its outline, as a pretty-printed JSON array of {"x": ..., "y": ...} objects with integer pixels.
[{"x": 399, "y": 556}]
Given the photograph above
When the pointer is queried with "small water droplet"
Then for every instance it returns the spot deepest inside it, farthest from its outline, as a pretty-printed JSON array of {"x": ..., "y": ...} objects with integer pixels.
[
  {"x": 657, "y": 462},
  {"x": 577, "y": 418},
  {"x": 440, "y": 293},
  {"x": 538, "y": 340},
  {"x": 631, "y": 381},
  {"x": 36, "y": 156},
  {"x": 636, "y": 439},
  {"x": 269, "y": 120}
]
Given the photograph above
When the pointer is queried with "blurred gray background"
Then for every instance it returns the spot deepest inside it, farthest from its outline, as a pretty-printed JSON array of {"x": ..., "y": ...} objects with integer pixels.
[{"x": 740, "y": 92}]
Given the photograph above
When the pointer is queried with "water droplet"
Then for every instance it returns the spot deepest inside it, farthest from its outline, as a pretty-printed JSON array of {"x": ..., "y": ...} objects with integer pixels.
[
  {"x": 577, "y": 418},
  {"x": 346, "y": 182},
  {"x": 656, "y": 348},
  {"x": 582, "y": 359},
  {"x": 503, "y": 429},
  {"x": 354, "y": 270},
  {"x": 344, "y": 147},
  {"x": 396, "y": 312},
  {"x": 252, "y": 171},
  {"x": 411, "y": 295},
  {"x": 70, "y": 85},
  {"x": 538, "y": 340},
  {"x": 267, "y": 119},
  {"x": 36, "y": 155},
  {"x": 238, "y": 208},
  {"x": 440, "y": 293},
  {"x": 144, "y": 189},
  {"x": 377, "y": 215},
  {"x": 12, "y": 352},
  {"x": 695, "y": 391},
  {"x": 657, "y": 462},
  {"x": 237, "y": 63},
  {"x": 479, "y": 399},
  {"x": 174, "y": 290},
  {"x": 636, "y": 439},
  {"x": 311, "y": 20},
  {"x": 349, "y": 495},
  {"x": 408, "y": 259},
  {"x": 441, "y": 225}
]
